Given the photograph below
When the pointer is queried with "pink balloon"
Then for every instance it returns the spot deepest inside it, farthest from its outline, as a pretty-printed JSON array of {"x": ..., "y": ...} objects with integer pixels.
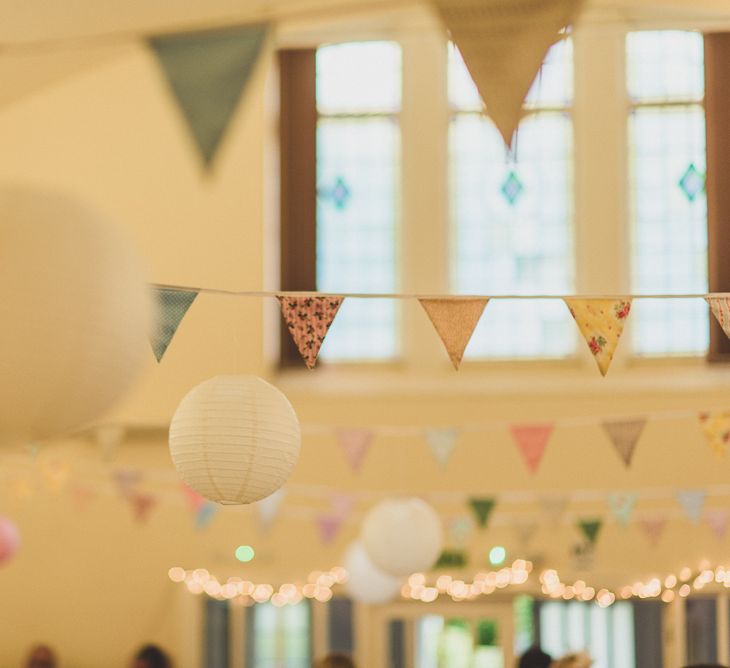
[{"x": 9, "y": 540}]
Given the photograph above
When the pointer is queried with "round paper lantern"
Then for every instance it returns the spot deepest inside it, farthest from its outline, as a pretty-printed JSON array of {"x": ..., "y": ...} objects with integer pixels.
[
  {"x": 75, "y": 311},
  {"x": 9, "y": 540},
  {"x": 402, "y": 536},
  {"x": 235, "y": 439},
  {"x": 366, "y": 584}
]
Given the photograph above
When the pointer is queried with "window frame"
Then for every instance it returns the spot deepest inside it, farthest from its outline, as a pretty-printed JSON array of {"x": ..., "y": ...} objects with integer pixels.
[{"x": 601, "y": 182}]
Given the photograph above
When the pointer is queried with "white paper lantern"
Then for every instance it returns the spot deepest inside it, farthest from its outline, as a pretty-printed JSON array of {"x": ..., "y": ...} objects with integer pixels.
[
  {"x": 235, "y": 439},
  {"x": 75, "y": 314},
  {"x": 366, "y": 584},
  {"x": 402, "y": 536}
]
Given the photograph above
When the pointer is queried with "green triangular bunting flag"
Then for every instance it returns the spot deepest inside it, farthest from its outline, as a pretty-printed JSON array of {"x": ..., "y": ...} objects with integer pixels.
[
  {"x": 482, "y": 510},
  {"x": 207, "y": 72},
  {"x": 172, "y": 306},
  {"x": 590, "y": 529}
]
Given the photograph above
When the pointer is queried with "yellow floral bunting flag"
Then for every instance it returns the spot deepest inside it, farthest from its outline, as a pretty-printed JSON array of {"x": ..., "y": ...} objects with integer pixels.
[
  {"x": 716, "y": 427},
  {"x": 454, "y": 320},
  {"x": 601, "y": 322}
]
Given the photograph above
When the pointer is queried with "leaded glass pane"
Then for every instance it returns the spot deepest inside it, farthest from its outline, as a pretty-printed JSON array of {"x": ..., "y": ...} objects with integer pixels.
[
  {"x": 358, "y": 166},
  {"x": 514, "y": 245},
  {"x": 356, "y": 232},
  {"x": 665, "y": 65},
  {"x": 669, "y": 206},
  {"x": 359, "y": 77}
]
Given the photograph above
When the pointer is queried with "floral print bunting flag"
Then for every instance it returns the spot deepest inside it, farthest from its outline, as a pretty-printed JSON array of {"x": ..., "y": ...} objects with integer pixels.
[
  {"x": 308, "y": 320},
  {"x": 601, "y": 322}
]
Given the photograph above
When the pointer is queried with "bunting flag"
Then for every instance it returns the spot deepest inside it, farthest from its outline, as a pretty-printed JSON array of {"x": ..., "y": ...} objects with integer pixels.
[
  {"x": 590, "y": 529},
  {"x": 193, "y": 500},
  {"x": 454, "y": 320},
  {"x": 622, "y": 506},
  {"x": 452, "y": 559},
  {"x": 126, "y": 481},
  {"x": 81, "y": 495},
  {"x": 718, "y": 520},
  {"x": 329, "y": 526},
  {"x": 205, "y": 515},
  {"x": 720, "y": 307},
  {"x": 355, "y": 443},
  {"x": 692, "y": 502},
  {"x": 172, "y": 305},
  {"x": 624, "y": 435},
  {"x": 308, "y": 320},
  {"x": 341, "y": 505},
  {"x": 142, "y": 505},
  {"x": 441, "y": 443},
  {"x": 601, "y": 322},
  {"x": 268, "y": 508},
  {"x": 653, "y": 528},
  {"x": 459, "y": 529},
  {"x": 482, "y": 508},
  {"x": 716, "y": 427},
  {"x": 503, "y": 44},
  {"x": 554, "y": 507},
  {"x": 526, "y": 532},
  {"x": 207, "y": 73},
  {"x": 531, "y": 440}
]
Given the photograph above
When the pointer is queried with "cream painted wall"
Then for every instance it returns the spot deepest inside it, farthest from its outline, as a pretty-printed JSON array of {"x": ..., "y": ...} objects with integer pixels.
[{"x": 93, "y": 582}]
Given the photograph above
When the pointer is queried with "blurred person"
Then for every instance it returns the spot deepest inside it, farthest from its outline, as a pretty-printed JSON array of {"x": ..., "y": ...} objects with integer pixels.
[
  {"x": 41, "y": 656},
  {"x": 335, "y": 660},
  {"x": 151, "y": 656},
  {"x": 535, "y": 658},
  {"x": 575, "y": 660}
]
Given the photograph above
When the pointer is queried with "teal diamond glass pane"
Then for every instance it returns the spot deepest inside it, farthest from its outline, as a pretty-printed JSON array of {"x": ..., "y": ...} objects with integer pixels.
[
  {"x": 692, "y": 182},
  {"x": 338, "y": 194},
  {"x": 512, "y": 188}
]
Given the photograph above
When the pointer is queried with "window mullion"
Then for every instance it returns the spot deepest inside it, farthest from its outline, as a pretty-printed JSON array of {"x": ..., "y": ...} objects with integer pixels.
[{"x": 424, "y": 243}]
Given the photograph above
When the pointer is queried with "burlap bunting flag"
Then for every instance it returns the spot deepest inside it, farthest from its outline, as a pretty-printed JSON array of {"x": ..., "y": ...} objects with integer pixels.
[
  {"x": 720, "y": 307},
  {"x": 624, "y": 435},
  {"x": 653, "y": 528},
  {"x": 601, "y": 322},
  {"x": 308, "y": 320},
  {"x": 503, "y": 44},
  {"x": 454, "y": 320}
]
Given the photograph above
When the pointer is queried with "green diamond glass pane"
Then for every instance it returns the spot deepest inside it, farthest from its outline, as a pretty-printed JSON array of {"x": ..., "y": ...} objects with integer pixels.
[
  {"x": 692, "y": 182},
  {"x": 512, "y": 188}
]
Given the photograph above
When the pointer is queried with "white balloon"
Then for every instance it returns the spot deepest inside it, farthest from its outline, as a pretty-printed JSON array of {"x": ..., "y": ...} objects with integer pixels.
[
  {"x": 75, "y": 314},
  {"x": 403, "y": 536},
  {"x": 235, "y": 439},
  {"x": 366, "y": 584}
]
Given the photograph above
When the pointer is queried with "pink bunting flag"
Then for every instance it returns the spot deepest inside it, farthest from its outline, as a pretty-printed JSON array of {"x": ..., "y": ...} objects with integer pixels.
[
  {"x": 329, "y": 526},
  {"x": 193, "y": 500},
  {"x": 601, "y": 322},
  {"x": 355, "y": 443},
  {"x": 720, "y": 307},
  {"x": 624, "y": 435},
  {"x": 308, "y": 320},
  {"x": 531, "y": 440},
  {"x": 718, "y": 520},
  {"x": 142, "y": 506},
  {"x": 454, "y": 320},
  {"x": 653, "y": 528}
]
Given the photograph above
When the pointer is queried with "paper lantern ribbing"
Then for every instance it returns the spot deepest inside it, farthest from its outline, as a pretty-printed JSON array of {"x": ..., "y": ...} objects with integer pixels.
[
  {"x": 402, "y": 536},
  {"x": 366, "y": 584},
  {"x": 9, "y": 540},
  {"x": 235, "y": 439},
  {"x": 76, "y": 314}
]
